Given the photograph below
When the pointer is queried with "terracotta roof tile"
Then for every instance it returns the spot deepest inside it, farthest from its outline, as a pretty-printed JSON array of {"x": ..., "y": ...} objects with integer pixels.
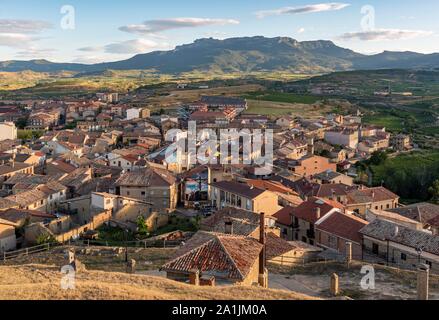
[
  {"x": 342, "y": 225},
  {"x": 220, "y": 255}
]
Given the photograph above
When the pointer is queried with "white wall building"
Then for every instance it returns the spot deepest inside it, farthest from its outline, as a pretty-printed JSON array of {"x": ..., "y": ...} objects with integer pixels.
[
  {"x": 8, "y": 131},
  {"x": 133, "y": 113}
]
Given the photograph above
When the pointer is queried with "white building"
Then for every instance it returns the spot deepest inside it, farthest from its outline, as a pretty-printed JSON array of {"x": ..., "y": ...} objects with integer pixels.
[
  {"x": 8, "y": 131},
  {"x": 133, "y": 113}
]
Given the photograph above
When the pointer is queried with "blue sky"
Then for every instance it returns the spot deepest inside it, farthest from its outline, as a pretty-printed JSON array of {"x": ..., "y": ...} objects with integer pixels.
[{"x": 114, "y": 30}]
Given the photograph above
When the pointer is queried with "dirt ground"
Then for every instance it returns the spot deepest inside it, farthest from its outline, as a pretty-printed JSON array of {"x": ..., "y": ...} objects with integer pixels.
[
  {"x": 314, "y": 280},
  {"x": 100, "y": 258}
]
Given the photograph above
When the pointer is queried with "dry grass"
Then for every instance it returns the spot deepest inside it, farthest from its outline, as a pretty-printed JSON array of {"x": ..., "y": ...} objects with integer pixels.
[
  {"x": 178, "y": 97},
  {"x": 42, "y": 282},
  {"x": 271, "y": 108},
  {"x": 100, "y": 258}
]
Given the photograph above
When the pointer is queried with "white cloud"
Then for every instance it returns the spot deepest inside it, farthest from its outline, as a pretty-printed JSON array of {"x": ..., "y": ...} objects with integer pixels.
[
  {"x": 21, "y": 34},
  {"x": 91, "y": 49},
  {"x": 128, "y": 47},
  {"x": 160, "y": 25},
  {"x": 301, "y": 30},
  {"x": 89, "y": 59},
  {"x": 385, "y": 34},
  {"x": 321, "y": 7},
  {"x": 15, "y": 40},
  {"x": 36, "y": 52},
  {"x": 23, "y": 26},
  {"x": 131, "y": 46}
]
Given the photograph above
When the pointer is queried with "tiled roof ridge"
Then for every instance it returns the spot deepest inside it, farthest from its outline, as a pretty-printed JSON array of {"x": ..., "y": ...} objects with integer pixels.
[{"x": 230, "y": 258}]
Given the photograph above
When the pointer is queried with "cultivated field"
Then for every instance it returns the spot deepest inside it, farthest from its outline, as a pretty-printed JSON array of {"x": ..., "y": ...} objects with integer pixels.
[
  {"x": 272, "y": 108},
  {"x": 175, "y": 98}
]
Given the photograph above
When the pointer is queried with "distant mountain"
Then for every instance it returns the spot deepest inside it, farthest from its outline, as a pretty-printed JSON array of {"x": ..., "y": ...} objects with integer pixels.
[{"x": 247, "y": 54}]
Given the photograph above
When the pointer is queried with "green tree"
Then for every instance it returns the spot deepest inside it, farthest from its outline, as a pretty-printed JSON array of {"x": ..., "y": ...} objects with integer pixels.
[
  {"x": 45, "y": 238},
  {"x": 378, "y": 158},
  {"x": 142, "y": 227},
  {"x": 434, "y": 192}
]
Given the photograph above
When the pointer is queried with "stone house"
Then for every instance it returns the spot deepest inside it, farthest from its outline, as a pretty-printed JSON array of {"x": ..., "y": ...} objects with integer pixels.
[
  {"x": 243, "y": 196},
  {"x": 378, "y": 198},
  {"x": 153, "y": 185},
  {"x": 231, "y": 259},
  {"x": 299, "y": 223},
  {"x": 400, "y": 246},
  {"x": 336, "y": 229}
]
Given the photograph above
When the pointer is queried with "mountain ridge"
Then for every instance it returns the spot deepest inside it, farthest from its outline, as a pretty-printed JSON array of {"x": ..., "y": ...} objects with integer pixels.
[{"x": 245, "y": 54}]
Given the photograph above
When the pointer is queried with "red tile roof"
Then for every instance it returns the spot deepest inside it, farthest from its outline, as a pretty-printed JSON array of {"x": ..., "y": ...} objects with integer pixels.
[
  {"x": 307, "y": 210},
  {"x": 273, "y": 186},
  {"x": 276, "y": 246},
  {"x": 283, "y": 216},
  {"x": 224, "y": 256},
  {"x": 342, "y": 225},
  {"x": 371, "y": 195}
]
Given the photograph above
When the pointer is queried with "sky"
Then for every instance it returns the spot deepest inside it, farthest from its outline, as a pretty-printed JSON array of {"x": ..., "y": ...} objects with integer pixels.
[{"x": 90, "y": 31}]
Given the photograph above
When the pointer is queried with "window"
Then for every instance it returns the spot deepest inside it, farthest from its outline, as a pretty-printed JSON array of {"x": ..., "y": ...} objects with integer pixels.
[
  {"x": 403, "y": 257},
  {"x": 248, "y": 205},
  {"x": 430, "y": 264},
  {"x": 143, "y": 193},
  {"x": 375, "y": 248},
  {"x": 128, "y": 193}
]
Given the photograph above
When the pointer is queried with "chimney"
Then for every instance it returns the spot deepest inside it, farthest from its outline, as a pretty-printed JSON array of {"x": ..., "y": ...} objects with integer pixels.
[
  {"x": 194, "y": 277},
  {"x": 262, "y": 241},
  {"x": 228, "y": 226},
  {"x": 263, "y": 274},
  {"x": 318, "y": 213}
]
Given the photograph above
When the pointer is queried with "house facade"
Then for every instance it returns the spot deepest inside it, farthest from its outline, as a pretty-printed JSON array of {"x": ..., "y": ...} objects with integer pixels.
[{"x": 242, "y": 196}]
